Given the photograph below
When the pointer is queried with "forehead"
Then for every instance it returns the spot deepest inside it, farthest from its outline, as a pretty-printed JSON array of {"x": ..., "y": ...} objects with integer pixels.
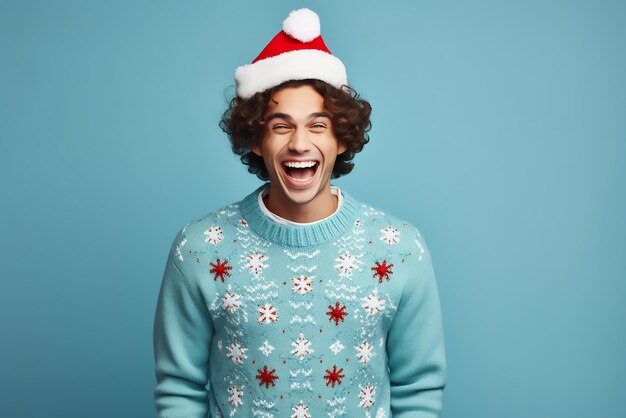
[{"x": 301, "y": 100}]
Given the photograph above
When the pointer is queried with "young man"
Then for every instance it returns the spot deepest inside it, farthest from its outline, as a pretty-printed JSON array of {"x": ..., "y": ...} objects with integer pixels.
[{"x": 298, "y": 301}]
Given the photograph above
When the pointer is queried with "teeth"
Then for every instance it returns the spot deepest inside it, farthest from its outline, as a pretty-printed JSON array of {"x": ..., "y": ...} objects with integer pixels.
[{"x": 303, "y": 164}]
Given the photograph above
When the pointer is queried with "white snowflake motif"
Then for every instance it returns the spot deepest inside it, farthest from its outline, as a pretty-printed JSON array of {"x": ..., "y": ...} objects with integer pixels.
[
  {"x": 347, "y": 264},
  {"x": 266, "y": 348},
  {"x": 236, "y": 352},
  {"x": 255, "y": 262},
  {"x": 219, "y": 344},
  {"x": 302, "y": 284},
  {"x": 364, "y": 351},
  {"x": 390, "y": 235},
  {"x": 302, "y": 347},
  {"x": 179, "y": 253},
  {"x": 235, "y": 395},
  {"x": 230, "y": 302},
  {"x": 214, "y": 235},
  {"x": 267, "y": 314},
  {"x": 336, "y": 347},
  {"x": 300, "y": 411},
  {"x": 372, "y": 303},
  {"x": 366, "y": 394}
]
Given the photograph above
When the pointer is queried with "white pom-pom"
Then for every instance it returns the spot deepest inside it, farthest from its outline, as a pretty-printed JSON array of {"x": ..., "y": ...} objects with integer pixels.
[{"x": 302, "y": 24}]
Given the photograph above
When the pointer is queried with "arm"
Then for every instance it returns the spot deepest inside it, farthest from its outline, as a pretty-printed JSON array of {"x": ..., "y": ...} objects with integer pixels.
[
  {"x": 415, "y": 346},
  {"x": 182, "y": 334}
]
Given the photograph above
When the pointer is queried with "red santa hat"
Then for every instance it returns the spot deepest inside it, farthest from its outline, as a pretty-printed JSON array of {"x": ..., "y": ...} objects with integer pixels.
[{"x": 298, "y": 52}]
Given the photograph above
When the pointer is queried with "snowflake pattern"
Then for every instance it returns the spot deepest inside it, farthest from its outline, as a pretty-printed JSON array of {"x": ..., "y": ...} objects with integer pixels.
[
  {"x": 179, "y": 252},
  {"x": 266, "y": 348},
  {"x": 214, "y": 235},
  {"x": 255, "y": 262},
  {"x": 220, "y": 269},
  {"x": 364, "y": 351},
  {"x": 336, "y": 347},
  {"x": 349, "y": 261},
  {"x": 334, "y": 376},
  {"x": 230, "y": 302},
  {"x": 235, "y": 395},
  {"x": 267, "y": 314},
  {"x": 347, "y": 264},
  {"x": 366, "y": 394},
  {"x": 383, "y": 271},
  {"x": 302, "y": 347},
  {"x": 300, "y": 411},
  {"x": 390, "y": 235},
  {"x": 372, "y": 303},
  {"x": 266, "y": 377},
  {"x": 302, "y": 284},
  {"x": 236, "y": 352},
  {"x": 336, "y": 313}
]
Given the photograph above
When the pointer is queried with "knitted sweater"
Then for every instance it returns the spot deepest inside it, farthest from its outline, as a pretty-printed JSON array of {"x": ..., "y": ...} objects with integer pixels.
[{"x": 327, "y": 319}]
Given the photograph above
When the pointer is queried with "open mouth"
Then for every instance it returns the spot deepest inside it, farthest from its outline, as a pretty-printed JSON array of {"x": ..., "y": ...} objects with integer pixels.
[{"x": 300, "y": 171}]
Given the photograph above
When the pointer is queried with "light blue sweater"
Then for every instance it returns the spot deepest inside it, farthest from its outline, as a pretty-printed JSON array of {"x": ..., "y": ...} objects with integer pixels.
[{"x": 328, "y": 319}]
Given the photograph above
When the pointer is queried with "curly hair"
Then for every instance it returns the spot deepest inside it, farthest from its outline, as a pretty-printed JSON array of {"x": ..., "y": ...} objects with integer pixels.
[{"x": 244, "y": 124}]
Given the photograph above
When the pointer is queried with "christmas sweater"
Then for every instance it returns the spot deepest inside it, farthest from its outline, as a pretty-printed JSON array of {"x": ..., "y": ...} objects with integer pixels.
[{"x": 337, "y": 318}]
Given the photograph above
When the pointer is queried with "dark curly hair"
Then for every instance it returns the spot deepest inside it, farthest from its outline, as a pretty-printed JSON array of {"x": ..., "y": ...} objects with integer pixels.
[{"x": 244, "y": 124}]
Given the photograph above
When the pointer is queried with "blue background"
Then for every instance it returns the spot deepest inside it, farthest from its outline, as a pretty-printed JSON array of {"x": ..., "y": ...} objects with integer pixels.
[{"x": 498, "y": 130}]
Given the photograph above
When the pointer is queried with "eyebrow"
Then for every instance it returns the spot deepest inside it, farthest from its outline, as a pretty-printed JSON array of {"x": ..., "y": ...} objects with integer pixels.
[{"x": 288, "y": 118}]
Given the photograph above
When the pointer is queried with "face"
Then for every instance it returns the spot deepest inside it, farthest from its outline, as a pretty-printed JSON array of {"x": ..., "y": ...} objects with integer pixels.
[{"x": 299, "y": 147}]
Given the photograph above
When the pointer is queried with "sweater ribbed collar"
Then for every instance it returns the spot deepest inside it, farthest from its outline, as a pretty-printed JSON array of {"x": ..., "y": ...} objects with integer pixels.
[{"x": 299, "y": 235}]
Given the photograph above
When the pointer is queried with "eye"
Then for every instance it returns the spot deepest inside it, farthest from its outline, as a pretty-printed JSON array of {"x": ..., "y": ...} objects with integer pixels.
[
  {"x": 280, "y": 127},
  {"x": 318, "y": 126}
]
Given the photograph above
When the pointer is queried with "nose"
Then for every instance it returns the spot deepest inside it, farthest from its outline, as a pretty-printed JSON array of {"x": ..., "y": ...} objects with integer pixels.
[{"x": 299, "y": 141}]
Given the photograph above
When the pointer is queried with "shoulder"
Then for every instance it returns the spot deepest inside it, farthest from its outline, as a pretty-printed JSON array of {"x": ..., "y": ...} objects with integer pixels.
[
  {"x": 389, "y": 230},
  {"x": 206, "y": 231},
  {"x": 394, "y": 249}
]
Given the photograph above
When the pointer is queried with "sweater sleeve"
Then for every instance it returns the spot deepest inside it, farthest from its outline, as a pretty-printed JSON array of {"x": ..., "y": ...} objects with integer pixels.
[
  {"x": 181, "y": 337},
  {"x": 415, "y": 346}
]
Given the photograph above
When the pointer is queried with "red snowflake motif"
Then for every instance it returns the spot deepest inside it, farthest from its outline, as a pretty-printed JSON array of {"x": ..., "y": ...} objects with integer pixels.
[
  {"x": 382, "y": 270},
  {"x": 337, "y": 313},
  {"x": 334, "y": 376},
  {"x": 266, "y": 377},
  {"x": 220, "y": 269}
]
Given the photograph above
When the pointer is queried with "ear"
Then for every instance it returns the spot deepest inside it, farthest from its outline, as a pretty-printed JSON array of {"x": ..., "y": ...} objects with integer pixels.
[
  {"x": 256, "y": 149},
  {"x": 341, "y": 148}
]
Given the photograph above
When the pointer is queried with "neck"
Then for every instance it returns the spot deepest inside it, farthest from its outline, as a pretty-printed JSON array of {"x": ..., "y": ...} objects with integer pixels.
[{"x": 321, "y": 206}]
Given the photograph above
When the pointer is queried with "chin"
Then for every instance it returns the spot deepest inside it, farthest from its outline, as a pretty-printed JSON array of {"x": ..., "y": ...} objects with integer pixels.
[{"x": 303, "y": 197}]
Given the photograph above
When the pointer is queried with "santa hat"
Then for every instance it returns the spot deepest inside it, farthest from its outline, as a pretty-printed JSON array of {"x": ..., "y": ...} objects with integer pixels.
[{"x": 298, "y": 52}]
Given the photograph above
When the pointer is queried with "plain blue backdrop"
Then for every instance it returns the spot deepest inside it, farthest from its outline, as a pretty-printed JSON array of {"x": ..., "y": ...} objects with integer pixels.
[{"x": 498, "y": 130}]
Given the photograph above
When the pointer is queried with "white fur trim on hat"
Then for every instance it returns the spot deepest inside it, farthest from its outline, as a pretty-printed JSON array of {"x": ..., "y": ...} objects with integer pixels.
[
  {"x": 294, "y": 65},
  {"x": 302, "y": 24}
]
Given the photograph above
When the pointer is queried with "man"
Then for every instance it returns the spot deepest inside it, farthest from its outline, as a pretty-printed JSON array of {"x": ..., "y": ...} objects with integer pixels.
[{"x": 298, "y": 300}]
